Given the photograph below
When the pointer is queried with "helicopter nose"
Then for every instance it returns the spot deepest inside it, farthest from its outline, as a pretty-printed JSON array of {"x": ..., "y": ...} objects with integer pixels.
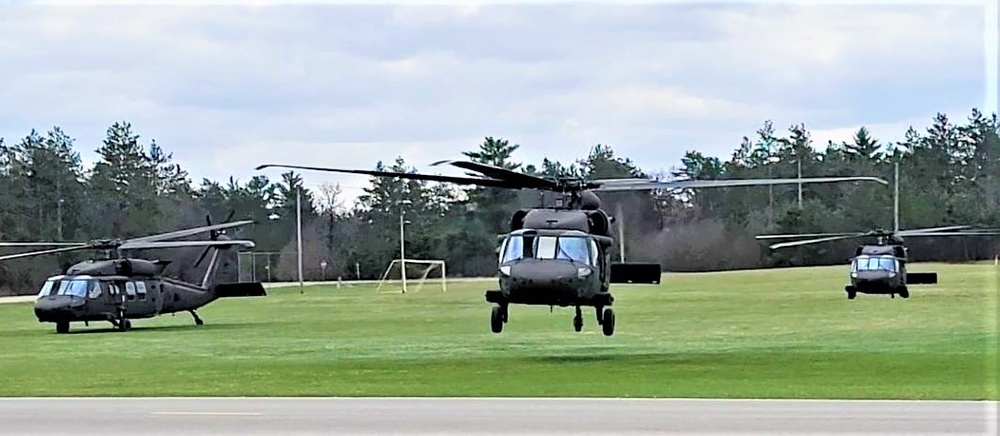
[
  {"x": 552, "y": 276},
  {"x": 57, "y": 307}
]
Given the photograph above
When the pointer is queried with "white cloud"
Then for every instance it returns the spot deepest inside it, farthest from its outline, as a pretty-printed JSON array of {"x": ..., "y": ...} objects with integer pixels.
[{"x": 227, "y": 88}]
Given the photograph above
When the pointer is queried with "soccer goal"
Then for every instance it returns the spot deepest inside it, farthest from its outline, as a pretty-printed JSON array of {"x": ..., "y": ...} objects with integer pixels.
[{"x": 417, "y": 272}]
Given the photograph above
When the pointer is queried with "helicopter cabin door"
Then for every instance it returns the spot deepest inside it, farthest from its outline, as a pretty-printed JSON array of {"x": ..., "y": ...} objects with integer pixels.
[{"x": 139, "y": 300}]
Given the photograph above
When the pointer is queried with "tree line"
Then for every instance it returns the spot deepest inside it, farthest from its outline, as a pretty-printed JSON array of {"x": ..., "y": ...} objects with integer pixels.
[{"x": 949, "y": 175}]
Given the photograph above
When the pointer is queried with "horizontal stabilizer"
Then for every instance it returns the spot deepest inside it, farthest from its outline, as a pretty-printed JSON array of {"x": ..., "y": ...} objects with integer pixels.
[
  {"x": 645, "y": 273},
  {"x": 250, "y": 289},
  {"x": 921, "y": 278}
]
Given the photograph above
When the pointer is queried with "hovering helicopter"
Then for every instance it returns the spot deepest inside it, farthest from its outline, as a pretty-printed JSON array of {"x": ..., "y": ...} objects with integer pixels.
[
  {"x": 880, "y": 268},
  {"x": 560, "y": 255},
  {"x": 116, "y": 289}
]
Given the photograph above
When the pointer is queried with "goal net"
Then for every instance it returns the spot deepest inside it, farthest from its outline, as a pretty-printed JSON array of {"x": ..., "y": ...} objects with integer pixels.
[{"x": 412, "y": 278}]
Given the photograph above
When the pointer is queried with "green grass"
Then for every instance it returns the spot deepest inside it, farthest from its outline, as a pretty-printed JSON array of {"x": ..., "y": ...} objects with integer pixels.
[{"x": 760, "y": 334}]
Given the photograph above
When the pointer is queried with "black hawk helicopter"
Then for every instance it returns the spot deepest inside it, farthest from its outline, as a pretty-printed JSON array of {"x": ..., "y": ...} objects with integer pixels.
[
  {"x": 560, "y": 255},
  {"x": 880, "y": 268},
  {"x": 116, "y": 289}
]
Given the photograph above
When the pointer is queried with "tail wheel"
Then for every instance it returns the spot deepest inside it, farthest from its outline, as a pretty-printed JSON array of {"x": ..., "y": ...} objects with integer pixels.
[
  {"x": 609, "y": 322},
  {"x": 497, "y": 319}
]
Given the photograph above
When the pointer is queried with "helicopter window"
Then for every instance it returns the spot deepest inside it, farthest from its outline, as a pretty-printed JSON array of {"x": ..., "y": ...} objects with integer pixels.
[
  {"x": 130, "y": 290},
  {"x": 47, "y": 288},
  {"x": 140, "y": 288},
  {"x": 566, "y": 247},
  {"x": 573, "y": 248},
  {"x": 546, "y": 247},
  {"x": 76, "y": 288},
  {"x": 513, "y": 249},
  {"x": 95, "y": 292},
  {"x": 874, "y": 264}
]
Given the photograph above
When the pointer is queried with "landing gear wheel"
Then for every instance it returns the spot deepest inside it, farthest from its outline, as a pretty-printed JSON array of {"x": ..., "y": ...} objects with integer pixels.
[
  {"x": 609, "y": 322},
  {"x": 905, "y": 293},
  {"x": 851, "y": 295},
  {"x": 62, "y": 327},
  {"x": 496, "y": 319},
  {"x": 578, "y": 320}
]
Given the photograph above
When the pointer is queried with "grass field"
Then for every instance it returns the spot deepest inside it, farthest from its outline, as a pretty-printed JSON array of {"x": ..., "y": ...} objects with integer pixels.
[{"x": 759, "y": 334}]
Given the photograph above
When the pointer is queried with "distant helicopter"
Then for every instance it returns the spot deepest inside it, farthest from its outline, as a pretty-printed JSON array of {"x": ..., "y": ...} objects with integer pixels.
[
  {"x": 117, "y": 289},
  {"x": 559, "y": 255},
  {"x": 880, "y": 268}
]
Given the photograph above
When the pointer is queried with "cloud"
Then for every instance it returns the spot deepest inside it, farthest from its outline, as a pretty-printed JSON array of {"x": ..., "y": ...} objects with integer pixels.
[{"x": 225, "y": 88}]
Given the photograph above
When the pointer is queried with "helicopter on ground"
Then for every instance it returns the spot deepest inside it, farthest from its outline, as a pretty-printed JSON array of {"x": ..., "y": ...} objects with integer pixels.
[
  {"x": 560, "y": 255},
  {"x": 880, "y": 268},
  {"x": 116, "y": 289}
]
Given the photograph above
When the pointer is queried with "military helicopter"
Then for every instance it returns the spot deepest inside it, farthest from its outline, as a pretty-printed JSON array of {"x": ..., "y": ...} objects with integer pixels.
[
  {"x": 116, "y": 289},
  {"x": 559, "y": 255},
  {"x": 880, "y": 268}
]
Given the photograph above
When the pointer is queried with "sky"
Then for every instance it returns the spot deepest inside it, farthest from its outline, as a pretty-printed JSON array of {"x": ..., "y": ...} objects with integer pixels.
[{"x": 228, "y": 87}]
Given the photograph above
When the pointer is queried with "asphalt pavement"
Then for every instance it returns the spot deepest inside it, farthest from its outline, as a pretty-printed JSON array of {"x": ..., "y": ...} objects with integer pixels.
[{"x": 388, "y": 416}]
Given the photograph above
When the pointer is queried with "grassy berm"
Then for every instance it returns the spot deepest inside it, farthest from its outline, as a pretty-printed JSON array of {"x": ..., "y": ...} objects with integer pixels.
[{"x": 788, "y": 333}]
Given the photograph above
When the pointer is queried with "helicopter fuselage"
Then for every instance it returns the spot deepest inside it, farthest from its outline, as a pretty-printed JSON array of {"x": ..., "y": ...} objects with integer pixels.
[
  {"x": 881, "y": 269},
  {"x": 561, "y": 257},
  {"x": 117, "y": 290}
]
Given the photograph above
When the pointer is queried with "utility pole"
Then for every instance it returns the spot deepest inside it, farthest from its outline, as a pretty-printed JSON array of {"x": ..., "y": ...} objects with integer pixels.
[
  {"x": 402, "y": 248},
  {"x": 895, "y": 200},
  {"x": 59, "y": 204},
  {"x": 621, "y": 232},
  {"x": 298, "y": 218},
  {"x": 800, "y": 181}
]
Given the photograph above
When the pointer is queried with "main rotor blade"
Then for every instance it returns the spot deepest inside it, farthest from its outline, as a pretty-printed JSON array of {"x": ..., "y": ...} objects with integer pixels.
[
  {"x": 909, "y": 232},
  {"x": 177, "y": 244},
  {"x": 42, "y": 252},
  {"x": 810, "y": 241},
  {"x": 415, "y": 176},
  {"x": 955, "y": 234},
  {"x": 639, "y": 184},
  {"x": 42, "y": 244},
  {"x": 805, "y": 235},
  {"x": 526, "y": 180},
  {"x": 186, "y": 232}
]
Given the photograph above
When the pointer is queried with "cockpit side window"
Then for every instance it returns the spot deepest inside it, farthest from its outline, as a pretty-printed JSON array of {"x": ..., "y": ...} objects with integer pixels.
[
  {"x": 95, "y": 291},
  {"x": 48, "y": 288},
  {"x": 513, "y": 249}
]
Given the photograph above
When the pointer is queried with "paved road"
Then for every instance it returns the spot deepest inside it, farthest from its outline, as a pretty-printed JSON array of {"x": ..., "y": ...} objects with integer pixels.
[{"x": 293, "y": 416}]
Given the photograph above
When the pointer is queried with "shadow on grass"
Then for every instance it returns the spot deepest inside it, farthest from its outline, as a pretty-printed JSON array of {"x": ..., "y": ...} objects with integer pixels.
[
  {"x": 81, "y": 330},
  {"x": 166, "y": 328}
]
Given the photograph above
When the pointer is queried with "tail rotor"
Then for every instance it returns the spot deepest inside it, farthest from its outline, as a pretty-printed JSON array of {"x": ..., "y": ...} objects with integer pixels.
[{"x": 214, "y": 235}]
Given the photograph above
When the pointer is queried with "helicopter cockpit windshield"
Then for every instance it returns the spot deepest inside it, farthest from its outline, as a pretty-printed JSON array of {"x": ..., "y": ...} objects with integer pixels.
[
  {"x": 572, "y": 247},
  {"x": 875, "y": 263},
  {"x": 79, "y": 286}
]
